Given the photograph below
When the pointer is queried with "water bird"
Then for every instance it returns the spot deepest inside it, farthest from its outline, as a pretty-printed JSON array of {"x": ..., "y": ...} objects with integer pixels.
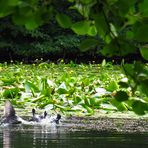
[
  {"x": 10, "y": 116},
  {"x": 37, "y": 118},
  {"x": 45, "y": 118},
  {"x": 57, "y": 119}
]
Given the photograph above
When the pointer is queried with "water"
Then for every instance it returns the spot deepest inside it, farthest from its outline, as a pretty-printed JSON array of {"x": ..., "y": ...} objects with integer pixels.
[{"x": 34, "y": 136}]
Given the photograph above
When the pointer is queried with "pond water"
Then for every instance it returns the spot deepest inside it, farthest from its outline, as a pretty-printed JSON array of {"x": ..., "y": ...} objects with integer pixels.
[{"x": 34, "y": 136}]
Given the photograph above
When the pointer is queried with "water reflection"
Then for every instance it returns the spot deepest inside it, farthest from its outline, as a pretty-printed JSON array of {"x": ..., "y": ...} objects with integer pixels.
[
  {"x": 60, "y": 137},
  {"x": 6, "y": 138}
]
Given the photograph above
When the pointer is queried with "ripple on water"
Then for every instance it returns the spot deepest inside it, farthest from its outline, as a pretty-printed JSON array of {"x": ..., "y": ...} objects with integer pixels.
[{"x": 42, "y": 136}]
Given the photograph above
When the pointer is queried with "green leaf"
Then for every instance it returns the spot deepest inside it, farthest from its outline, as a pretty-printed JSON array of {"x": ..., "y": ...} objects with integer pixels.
[
  {"x": 124, "y": 6},
  {"x": 64, "y": 20},
  {"x": 89, "y": 110},
  {"x": 144, "y": 86},
  {"x": 60, "y": 106},
  {"x": 29, "y": 19},
  {"x": 6, "y": 11},
  {"x": 11, "y": 93},
  {"x": 88, "y": 44},
  {"x": 29, "y": 87},
  {"x": 13, "y": 2},
  {"x": 110, "y": 50},
  {"x": 77, "y": 99},
  {"x": 129, "y": 69},
  {"x": 141, "y": 34},
  {"x": 86, "y": 1},
  {"x": 144, "y": 52},
  {"x": 139, "y": 107},
  {"x": 8, "y": 81},
  {"x": 101, "y": 25},
  {"x": 113, "y": 85},
  {"x": 7, "y": 7},
  {"x": 119, "y": 105},
  {"x": 92, "y": 31},
  {"x": 143, "y": 8},
  {"x": 129, "y": 35},
  {"x": 81, "y": 28},
  {"x": 62, "y": 89},
  {"x": 121, "y": 96}
]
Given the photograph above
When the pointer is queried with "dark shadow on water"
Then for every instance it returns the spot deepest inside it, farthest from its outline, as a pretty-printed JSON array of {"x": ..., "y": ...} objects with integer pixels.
[{"x": 21, "y": 136}]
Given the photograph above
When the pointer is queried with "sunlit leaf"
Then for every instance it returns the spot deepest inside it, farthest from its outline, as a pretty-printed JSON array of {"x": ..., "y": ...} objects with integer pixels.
[
  {"x": 81, "y": 28},
  {"x": 62, "y": 89},
  {"x": 89, "y": 110},
  {"x": 11, "y": 93},
  {"x": 113, "y": 85},
  {"x": 119, "y": 105},
  {"x": 8, "y": 81},
  {"x": 29, "y": 87},
  {"x": 92, "y": 31}
]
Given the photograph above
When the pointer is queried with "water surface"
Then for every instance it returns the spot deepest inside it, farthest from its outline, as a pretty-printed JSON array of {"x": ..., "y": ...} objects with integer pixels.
[{"x": 34, "y": 136}]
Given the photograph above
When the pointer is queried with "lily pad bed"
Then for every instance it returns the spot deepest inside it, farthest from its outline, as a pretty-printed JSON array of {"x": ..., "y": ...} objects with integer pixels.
[{"x": 106, "y": 124}]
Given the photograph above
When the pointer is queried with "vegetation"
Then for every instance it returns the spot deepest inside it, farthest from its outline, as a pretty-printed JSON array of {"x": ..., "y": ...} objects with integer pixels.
[
  {"x": 49, "y": 41},
  {"x": 109, "y": 24},
  {"x": 74, "y": 89},
  {"x": 112, "y": 27}
]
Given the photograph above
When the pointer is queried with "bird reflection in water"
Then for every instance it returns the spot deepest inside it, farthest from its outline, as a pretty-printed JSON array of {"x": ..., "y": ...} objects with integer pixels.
[{"x": 7, "y": 136}]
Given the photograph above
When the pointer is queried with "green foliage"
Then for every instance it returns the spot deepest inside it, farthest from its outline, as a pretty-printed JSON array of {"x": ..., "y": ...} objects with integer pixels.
[
  {"x": 71, "y": 88},
  {"x": 67, "y": 87},
  {"x": 37, "y": 43},
  {"x": 119, "y": 26},
  {"x": 114, "y": 21},
  {"x": 11, "y": 93}
]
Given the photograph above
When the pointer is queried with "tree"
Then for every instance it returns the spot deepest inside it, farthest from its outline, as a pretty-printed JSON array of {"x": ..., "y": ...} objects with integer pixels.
[{"x": 117, "y": 25}]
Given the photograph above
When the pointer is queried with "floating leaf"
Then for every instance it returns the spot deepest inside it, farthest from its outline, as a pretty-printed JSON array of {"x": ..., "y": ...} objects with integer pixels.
[
  {"x": 62, "y": 89},
  {"x": 113, "y": 85},
  {"x": 8, "y": 81},
  {"x": 29, "y": 87},
  {"x": 11, "y": 93}
]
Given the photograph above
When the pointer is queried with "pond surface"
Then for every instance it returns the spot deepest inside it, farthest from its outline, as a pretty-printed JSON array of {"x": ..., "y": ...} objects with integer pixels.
[{"x": 35, "y": 136}]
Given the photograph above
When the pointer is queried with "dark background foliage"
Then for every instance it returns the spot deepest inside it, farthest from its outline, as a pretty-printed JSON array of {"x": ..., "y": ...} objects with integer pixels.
[{"x": 49, "y": 41}]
